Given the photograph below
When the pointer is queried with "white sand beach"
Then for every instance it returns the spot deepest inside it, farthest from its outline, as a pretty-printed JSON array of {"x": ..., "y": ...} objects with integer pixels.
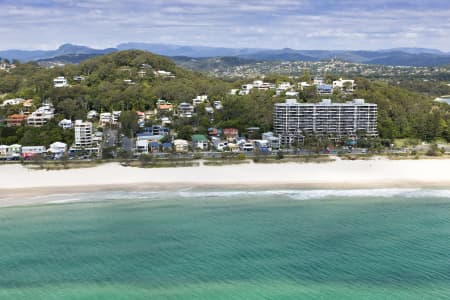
[{"x": 18, "y": 182}]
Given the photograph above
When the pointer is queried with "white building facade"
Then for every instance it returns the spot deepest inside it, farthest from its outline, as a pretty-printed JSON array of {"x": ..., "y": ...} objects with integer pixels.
[
  {"x": 83, "y": 134},
  {"x": 293, "y": 121}
]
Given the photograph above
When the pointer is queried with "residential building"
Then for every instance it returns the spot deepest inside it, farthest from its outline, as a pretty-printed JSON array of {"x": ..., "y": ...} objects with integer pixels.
[
  {"x": 141, "y": 118},
  {"x": 181, "y": 145},
  {"x": 60, "y": 82},
  {"x": 199, "y": 100},
  {"x": 27, "y": 106},
  {"x": 32, "y": 151},
  {"x": 83, "y": 134},
  {"x": 291, "y": 94},
  {"x": 16, "y": 120},
  {"x": 4, "y": 151},
  {"x": 218, "y": 105},
  {"x": 148, "y": 141},
  {"x": 15, "y": 101},
  {"x": 284, "y": 86},
  {"x": 200, "y": 142},
  {"x": 15, "y": 151},
  {"x": 303, "y": 84},
  {"x": 230, "y": 133},
  {"x": 324, "y": 89},
  {"x": 274, "y": 140},
  {"x": 105, "y": 119},
  {"x": 78, "y": 78},
  {"x": 346, "y": 85},
  {"x": 185, "y": 110},
  {"x": 57, "y": 149},
  {"x": 318, "y": 81},
  {"x": 65, "y": 124},
  {"x": 41, "y": 116},
  {"x": 10, "y": 152},
  {"x": 164, "y": 74},
  {"x": 246, "y": 89},
  {"x": 115, "y": 116},
  {"x": 92, "y": 114},
  {"x": 156, "y": 130},
  {"x": 293, "y": 121},
  {"x": 163, "y": 106},
  {"x": 234, "y": 91}
]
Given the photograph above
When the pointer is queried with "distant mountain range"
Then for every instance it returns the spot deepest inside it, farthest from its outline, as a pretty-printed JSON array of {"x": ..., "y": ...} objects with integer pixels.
[
  {"x": 66, "y": 50},
  {"x": 69, "y": 53}
]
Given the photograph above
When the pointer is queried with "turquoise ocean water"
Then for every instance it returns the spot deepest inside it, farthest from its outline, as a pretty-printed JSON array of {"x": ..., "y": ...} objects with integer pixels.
[{"x": 320, "y": 244}]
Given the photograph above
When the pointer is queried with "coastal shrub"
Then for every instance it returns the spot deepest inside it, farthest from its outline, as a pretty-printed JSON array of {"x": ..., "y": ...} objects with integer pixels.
[{"x": 280, "y": 155}]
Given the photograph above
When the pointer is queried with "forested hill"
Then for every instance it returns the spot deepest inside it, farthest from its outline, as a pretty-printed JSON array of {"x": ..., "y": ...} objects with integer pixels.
[
  {"x": 123, "y": 80},
  {"x": 129, "y": 81}
]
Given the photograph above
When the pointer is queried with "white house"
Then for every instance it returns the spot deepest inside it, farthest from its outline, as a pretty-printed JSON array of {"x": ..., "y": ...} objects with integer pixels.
[
  {"x": 60, "y": 82},
  {"x": 41, "y": 116},
  {"x": 185, "y": 110},
  {"x": 65, "y": 124},
  {"x": 181, "y": 145},
  {"x": 344, "y": 84},
  {"x": 234, "y": 91},
  {"x": 318, "y": 81},
  {"x": 115, "y": 116},
  {"x": 57, "y": 149},
  {"x": 199, "y": 99},
  {"x": 217, "y": 105},
  {"x": 246, "y": 89},
  {"x": 303, "y": 85},
  {"x": 284, "y": 86},
  {"x": 292, "y": 94},
  {"x": 15, "y": 101}
]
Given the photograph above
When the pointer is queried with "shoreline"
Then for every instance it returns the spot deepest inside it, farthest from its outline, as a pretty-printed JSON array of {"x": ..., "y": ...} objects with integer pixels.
[{"x": 19, "y": 185}]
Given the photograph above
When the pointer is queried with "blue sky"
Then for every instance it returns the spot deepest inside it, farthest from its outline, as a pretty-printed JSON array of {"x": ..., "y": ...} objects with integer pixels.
[{"x": 299, "y": 24}]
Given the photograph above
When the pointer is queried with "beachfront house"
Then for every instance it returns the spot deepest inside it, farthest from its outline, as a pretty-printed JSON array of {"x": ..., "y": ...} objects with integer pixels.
[
  {"x": 148, "y": 141},
  {"x": 10, "y": 152},
  {"x": 181, "y": 145},
  {"x": 29, "y": 152},
  {"x": 199, "y": 100},
  {"x": 291, "y": 94},
  {"x": 199, "y": 142},
  {"x": 274, "y": 140},
  {"x": 293, "y": 120}
]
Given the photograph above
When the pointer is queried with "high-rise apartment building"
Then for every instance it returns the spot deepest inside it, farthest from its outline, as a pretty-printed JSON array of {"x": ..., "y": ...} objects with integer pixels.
[
  {"x": 293, "y": 121},
  {"x": 83, "y": 134}
]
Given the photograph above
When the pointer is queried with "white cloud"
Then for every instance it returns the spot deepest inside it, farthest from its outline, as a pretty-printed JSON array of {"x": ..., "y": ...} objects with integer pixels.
[{"x": 305, "y": 24}]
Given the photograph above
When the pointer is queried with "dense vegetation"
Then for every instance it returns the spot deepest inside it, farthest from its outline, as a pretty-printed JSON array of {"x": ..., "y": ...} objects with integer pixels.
[{"x": 402, "y": 113}]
